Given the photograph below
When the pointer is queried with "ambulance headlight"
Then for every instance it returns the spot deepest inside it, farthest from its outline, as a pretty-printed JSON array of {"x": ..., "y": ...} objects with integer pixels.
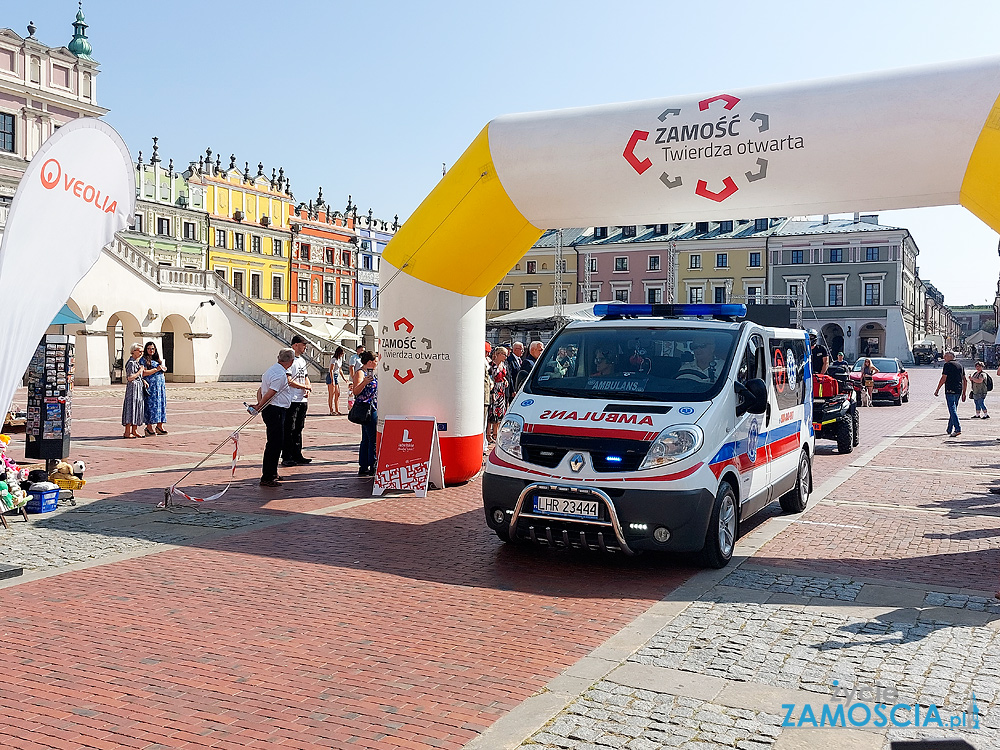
[
  {"x": 673, "y": 444},
  {"x": 509, "y": 435}
]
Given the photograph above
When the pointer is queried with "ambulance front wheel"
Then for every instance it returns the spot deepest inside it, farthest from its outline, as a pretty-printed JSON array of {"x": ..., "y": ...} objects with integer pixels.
[
  {"x": 796, "y": 500},
  {"x": 722, "y": 529}
]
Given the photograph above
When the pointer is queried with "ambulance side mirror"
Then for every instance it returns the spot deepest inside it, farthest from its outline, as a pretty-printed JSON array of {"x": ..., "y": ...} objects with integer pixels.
[{"x": 751, "y": 397}]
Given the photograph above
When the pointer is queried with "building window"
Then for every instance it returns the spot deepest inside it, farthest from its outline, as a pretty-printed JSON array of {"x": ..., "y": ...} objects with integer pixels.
[
  {"x": 701, "y": 227},
  {"x": 696, "y": 294},
  {"x": 836, "y": 255},
  {"x": 277, "y": 248},
  {"x": 221, "y": 273},
  {"x": 137, "y": 222},
  {"x": 695, "y": 261},
  {"x": 793, "y": 292},
  {"x": 754, "y": 260},
  {"x": 725, "y": 226},
  {"x": 593, "y": 295},
  {"x": 277, "y": 282},
  {"x": 621, "y": 263},
  {"x": 6, "y": 132},
  {"x": 621, "y": 295},
  {"x": 163, "y": 226},
  {"x": 503, "y": 300},
  {"x": 759, "y": 225},
  {"x": 345, "y": 294},
  {"x": 328, "y": 298},
  {"x": 531, "y": 266},
  {"x": 366, "y": 262},
  {"x": 797, "y": 256},
  {"x": 255, "y": 244},
  {"x": 654, "y": 262},
  {"x": 238, "y": 281},
  {"x": 530, "y": 298},
  {"x": 189, "y": 230},
  {"x": 873, "y": 291},
  {"x": 303, "y": 290},
  {"x": 628, "y": 231},
  {"x": 561, "y": 296},
  {"x": 835, "y": 295},
  {"x": 303, "y": 252},
  {"x": 366, "y": 296},
  {"x": 660, "y": 229},
  {"x": 255, "y": 285},
  {"x": 593, "y": 265},
  {"x": 720, "y": 294},
  {"x": 871, "y": 253},
  {"x": 328, "y": 252},
  {"x": 345, "y": 258},
  {"x": 365, "y": 245},
  {"x": 722, "y": 260},
  {"x": 600, "y": 233},
  {"x": 239, "y": 241},
  {"x": 654, "y": 296},
  {"x": 753, "y": 295}
]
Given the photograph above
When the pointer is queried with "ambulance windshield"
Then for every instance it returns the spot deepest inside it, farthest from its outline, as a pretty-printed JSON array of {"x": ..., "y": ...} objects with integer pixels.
[{"x": 644, "y": 364}]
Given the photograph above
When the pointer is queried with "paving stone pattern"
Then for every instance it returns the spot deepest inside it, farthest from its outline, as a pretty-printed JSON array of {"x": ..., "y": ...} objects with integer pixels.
[
  {"x": 614, "y": 716},
  {"x": 98, "y": 530},
  {"x": 842, "y": 589},
  {"x": 792, "y": 647}
]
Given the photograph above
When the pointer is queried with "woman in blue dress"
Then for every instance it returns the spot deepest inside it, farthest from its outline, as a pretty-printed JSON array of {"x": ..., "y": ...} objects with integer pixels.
[{"x": 153, "y": 368}]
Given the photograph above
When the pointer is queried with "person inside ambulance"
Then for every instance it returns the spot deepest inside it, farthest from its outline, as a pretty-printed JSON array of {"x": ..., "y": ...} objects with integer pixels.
[
  {"x": 604, "y": 362},
  {"x": 703, "y": 366}
]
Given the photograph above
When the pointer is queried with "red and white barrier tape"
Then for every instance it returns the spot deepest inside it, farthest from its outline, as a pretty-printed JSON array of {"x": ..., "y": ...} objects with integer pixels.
[{"x": 235, "y": 437}]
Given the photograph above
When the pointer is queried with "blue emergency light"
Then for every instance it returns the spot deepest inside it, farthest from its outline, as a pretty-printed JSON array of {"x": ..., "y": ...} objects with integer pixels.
[{"x": 621, "y": 310}]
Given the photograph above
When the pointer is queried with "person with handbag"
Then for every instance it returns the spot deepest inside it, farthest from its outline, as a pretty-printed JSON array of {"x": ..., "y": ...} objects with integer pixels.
[
  {"x": 364, "y": 412},
  {"x": 154, "y": 385}
]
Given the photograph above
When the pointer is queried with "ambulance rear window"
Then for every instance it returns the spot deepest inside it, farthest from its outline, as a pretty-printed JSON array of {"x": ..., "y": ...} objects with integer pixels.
[{"x": 646, "y": 364}]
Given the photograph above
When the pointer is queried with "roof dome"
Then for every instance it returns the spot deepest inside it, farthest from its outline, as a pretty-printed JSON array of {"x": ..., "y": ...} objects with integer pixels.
[{"x": 79, "y": 45}]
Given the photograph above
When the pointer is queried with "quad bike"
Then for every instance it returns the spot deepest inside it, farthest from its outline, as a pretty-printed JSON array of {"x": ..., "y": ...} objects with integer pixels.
[{"x": 835, "y": 412}]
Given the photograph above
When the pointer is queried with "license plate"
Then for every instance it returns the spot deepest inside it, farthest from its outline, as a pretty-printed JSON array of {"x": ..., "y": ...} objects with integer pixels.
[{"x": 561, "y": 506}]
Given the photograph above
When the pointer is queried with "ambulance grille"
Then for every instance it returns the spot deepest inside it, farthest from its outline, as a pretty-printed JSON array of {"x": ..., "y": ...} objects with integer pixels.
[{"x": 549, "y": 451}]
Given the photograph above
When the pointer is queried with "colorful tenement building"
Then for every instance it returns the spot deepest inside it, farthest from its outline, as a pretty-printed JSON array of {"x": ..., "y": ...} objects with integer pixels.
[
  {"x": 323, "y": 262},
  {"x": 249, "y": 237}
]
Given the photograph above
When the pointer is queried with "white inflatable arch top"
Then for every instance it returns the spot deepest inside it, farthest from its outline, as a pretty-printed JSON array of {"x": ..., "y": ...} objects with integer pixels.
[{"x": 907, "y": 138}]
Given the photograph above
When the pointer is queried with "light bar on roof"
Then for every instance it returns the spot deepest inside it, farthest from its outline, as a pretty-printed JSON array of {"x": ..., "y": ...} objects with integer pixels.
[{"x": 669, "y": 311}]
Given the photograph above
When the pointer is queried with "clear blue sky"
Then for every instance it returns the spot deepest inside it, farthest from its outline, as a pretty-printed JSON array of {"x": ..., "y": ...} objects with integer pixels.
[{"x": 369, "y": 98}]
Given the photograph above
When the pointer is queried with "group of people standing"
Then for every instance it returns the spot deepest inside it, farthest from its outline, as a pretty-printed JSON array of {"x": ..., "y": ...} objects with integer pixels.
[
  {"x": 283, "y": 400},
  {"x": 503, "y": 367},
  {"x": 958, "y": 387},
  {"x": 145, "y": 392}
]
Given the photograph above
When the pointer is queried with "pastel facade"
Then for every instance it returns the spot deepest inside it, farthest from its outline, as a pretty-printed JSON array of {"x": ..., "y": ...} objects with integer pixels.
[
  {"x": 249, "y": 235},
  {"x": 373, "y": 235},
  {"x": 532, "y": 282},
  {"x": 41, "y": 88}
]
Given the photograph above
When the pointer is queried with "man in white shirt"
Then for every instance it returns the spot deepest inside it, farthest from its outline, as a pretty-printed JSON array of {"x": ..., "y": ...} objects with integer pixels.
[
  {"x": 272, "y": 402},
  {"x": 295, "y": 419}
]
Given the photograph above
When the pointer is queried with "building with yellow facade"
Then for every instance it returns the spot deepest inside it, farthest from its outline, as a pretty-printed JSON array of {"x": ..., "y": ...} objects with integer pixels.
[
  {"x": 249, "y": 232},
  {"x": 533, "y": 282}
]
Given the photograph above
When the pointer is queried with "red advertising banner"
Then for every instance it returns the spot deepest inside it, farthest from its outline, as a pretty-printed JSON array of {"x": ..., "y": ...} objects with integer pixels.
[{"x": 409, "y": 456}]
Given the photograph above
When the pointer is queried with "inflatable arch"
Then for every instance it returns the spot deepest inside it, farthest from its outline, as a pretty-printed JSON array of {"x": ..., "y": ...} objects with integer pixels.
[{"x": 900, "y": 139}]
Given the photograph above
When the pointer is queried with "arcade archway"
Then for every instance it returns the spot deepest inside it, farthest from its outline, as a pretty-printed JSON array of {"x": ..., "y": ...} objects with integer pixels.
[{"x": 901, "y": 139}]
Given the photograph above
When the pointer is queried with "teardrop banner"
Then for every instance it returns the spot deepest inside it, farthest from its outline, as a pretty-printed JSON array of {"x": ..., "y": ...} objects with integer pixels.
[{"x": 78, "y": 190}]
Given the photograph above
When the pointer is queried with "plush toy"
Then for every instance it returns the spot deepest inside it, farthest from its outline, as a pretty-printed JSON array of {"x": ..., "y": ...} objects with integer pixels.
[
  {"x": 78, "y": 468},
  {"x": 63, "y": 468},
  {"x": 6, "y": 497}
]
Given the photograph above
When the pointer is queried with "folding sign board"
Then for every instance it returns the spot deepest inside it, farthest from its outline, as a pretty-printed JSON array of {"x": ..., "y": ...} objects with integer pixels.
[{"x": 409, "y": 456}]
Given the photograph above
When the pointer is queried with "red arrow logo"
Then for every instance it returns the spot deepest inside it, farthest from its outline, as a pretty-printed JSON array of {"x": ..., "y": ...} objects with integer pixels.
[
  {"x": 731, "y": 101},
  {"x": 629, "y": 152},
  {"x": 729, "y": 187},
  {"x": 403, "y": 378},
  {"x": 403, "y": 323}
]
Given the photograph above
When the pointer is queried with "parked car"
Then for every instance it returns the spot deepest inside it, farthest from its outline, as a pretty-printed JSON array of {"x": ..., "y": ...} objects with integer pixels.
[{"x": 891, "y": 381}]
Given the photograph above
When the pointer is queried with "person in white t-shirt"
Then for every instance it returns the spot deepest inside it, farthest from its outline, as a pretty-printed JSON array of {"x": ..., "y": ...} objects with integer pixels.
[
  {"x": 355, "y": 364},
  {"x": 295, "y": 419},
  {"x": 273, "y": 400}
]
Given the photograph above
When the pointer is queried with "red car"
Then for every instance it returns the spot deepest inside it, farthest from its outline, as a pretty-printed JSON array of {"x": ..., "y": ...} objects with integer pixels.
[{"x": 891, "y": 381}]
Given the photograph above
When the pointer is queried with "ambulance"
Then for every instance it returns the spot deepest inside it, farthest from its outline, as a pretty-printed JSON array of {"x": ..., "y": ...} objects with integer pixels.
[{"x": 654, "y": 428}]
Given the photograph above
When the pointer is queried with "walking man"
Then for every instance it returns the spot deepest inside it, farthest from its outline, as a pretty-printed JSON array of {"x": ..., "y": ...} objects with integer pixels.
[
  {"x": 953, "y": 380},
  {"x": 274, "y": 388},
  {"x": 295, "y": 419}
]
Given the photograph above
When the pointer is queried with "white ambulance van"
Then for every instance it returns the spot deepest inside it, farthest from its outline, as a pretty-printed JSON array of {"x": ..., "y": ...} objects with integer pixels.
[{"x": 654, "y": 427}]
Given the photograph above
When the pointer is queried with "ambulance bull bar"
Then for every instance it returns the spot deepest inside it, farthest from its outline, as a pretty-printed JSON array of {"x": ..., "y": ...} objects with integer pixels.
[{"x": 565, "y": 538}]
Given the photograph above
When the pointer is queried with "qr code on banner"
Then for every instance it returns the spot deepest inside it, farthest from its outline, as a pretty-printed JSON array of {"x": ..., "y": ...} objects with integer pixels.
[{"x": 412, "y": 477}]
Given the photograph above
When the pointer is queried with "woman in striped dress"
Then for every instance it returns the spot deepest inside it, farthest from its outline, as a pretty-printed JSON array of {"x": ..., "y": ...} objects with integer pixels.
[{"x": 134, "y": 408}]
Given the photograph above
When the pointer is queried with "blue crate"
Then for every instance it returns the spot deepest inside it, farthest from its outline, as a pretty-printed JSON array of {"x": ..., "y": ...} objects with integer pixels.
[{"x": 43, "y": 502}]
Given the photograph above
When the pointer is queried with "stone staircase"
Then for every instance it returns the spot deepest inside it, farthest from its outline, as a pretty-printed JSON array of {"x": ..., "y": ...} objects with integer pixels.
[{"x": 171, "y": 278}]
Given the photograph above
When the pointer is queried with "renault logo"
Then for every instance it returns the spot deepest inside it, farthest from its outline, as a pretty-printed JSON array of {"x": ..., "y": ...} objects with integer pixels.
[{"x": 576, "y": 463}]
